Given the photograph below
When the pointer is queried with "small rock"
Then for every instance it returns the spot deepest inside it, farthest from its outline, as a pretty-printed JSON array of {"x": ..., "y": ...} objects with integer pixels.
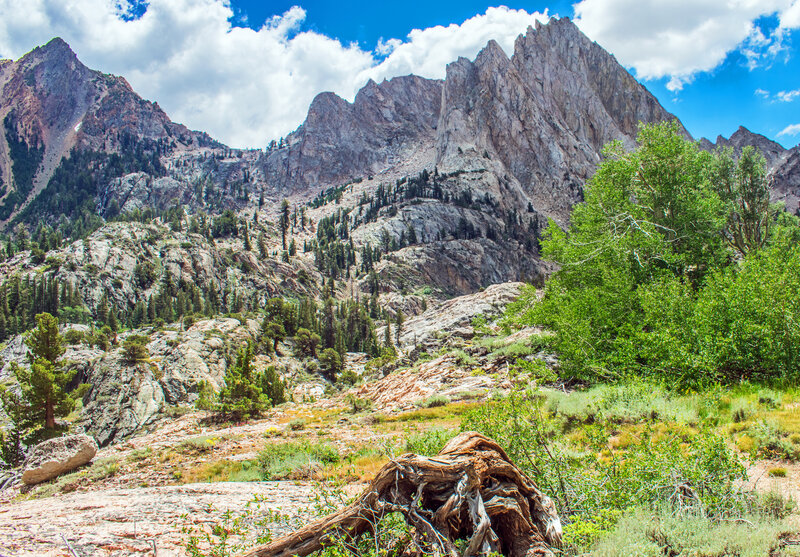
[{"x": 57, "y": 456}]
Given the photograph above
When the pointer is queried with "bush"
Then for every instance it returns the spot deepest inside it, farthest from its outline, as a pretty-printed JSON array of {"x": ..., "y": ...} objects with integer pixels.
[
  {"x": 433, "y": 401},
  {"x": 73, "y": 336},
  {"x": 357, "y": 404},
  {"x": 134, "y": 349}
]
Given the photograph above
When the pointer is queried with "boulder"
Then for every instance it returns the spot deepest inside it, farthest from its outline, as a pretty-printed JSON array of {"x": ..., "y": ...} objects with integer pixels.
[{"x": 54, "y": 457}]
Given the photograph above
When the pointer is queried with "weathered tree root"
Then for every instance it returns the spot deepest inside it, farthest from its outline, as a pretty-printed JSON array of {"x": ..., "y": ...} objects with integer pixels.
[{"x": 471, "y": 491}]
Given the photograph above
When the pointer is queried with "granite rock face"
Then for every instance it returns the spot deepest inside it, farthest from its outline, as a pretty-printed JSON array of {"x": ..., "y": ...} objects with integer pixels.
[
  {"x": 54, "y": 457},
  {"x": 385, "y": 124},
  {"x": 542, "y": 116}
]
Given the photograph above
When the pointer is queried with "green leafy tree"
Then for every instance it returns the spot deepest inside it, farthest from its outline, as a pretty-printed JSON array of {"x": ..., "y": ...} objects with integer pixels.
[
  {"x": 241, "y": 398},
  {"x": 743, "y": 187},
  {"x": 654, "y": 232}
]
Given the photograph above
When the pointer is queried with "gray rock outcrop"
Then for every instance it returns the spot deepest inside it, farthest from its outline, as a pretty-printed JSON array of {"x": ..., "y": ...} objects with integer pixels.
[{"x": 54, "y": 457}]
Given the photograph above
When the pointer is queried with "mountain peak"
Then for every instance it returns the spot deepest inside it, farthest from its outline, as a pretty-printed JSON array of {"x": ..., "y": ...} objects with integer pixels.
[{"x": 56, "y": 49}]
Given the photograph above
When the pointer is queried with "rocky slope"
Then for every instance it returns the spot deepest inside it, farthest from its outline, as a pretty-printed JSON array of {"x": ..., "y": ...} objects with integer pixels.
[{"x": 52, "y": 103}]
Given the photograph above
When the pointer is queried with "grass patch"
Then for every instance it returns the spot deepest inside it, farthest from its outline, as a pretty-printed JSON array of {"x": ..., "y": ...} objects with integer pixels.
[
  {"x": 296, "y": 460},
  {"x": 446, "y": 412},
  {"x": 222, "y": 471},
  {"x": 97, "y": 471},
  {"x": 429, "y": 442},
  {"x": 644, "y": 533},
  {"x": 777, "y": 472}
]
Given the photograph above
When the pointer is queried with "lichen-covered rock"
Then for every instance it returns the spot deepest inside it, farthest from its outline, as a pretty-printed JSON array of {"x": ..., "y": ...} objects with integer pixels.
[{"x": 54, "y": 457}]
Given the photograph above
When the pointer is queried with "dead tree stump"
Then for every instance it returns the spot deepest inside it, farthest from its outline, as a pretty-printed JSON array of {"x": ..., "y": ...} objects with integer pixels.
[{"x": 470, "y": 491}]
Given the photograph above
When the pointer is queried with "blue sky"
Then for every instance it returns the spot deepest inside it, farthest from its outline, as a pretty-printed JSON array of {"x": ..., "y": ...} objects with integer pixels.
[{"x": 246, "y": 70}]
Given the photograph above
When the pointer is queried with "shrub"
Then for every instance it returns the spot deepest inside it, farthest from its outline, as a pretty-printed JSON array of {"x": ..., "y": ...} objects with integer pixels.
[
  {"x": 134, "y": 349},
  {"x": 433, "y": 401},
  {"x": 73, "y": 336},
  {"x": 357, "y": 404}
]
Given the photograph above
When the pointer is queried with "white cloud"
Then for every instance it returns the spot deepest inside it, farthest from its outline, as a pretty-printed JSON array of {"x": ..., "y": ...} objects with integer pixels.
[
  {"x": 426, "y": 52},
  {"x": 243, "y": 86},
  {"x": 790, "y": 17},
  {"x": 793, "y": 129},
  {"x": 680, "y": 38},
  {"x": 763, "y": 93},
  {"x": 788, "y": 96}
]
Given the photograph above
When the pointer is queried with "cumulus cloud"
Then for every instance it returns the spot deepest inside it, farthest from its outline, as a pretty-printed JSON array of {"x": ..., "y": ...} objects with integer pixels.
[
  {"x": 793, "y": 129},
  {"x": 244, "y": 86},
  {"x": 790, "y": 17},
  {"x": 678, "y": 39},
  {"x": 426, "y": 52}
]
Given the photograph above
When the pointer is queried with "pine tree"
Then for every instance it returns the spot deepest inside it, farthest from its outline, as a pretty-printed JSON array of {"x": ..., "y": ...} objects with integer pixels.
[
  {"x": 398, "y": 321},
  {"x": 44, "y": 385},
  {"x": 241, "y": 398},
  {"x": 283, "y": 222},
  {"x": 272, "y": 386},
  {"x": 247, "y": 245}
]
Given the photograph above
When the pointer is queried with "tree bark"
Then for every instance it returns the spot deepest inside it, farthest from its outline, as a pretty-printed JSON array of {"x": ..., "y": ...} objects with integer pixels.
[{"x": 470, "y": 491}]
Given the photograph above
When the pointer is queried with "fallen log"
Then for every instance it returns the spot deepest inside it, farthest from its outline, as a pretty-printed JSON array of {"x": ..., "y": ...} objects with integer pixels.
[{"x": 470, "y": 491}]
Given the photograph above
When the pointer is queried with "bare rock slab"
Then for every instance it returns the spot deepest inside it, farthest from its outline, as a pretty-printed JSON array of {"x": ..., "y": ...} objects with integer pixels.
[{"x": 54, "y": 457}]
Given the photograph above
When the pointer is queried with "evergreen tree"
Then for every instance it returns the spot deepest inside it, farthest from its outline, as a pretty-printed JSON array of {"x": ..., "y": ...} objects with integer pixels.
[
  {"x": 330, "y": 364},
  {"x": 241, "y": 398},
  {"x": 283, "y": 221},
  {"x": 44, "y": 385},
  {"x": 272, "y": 386},
  {"x": 399, "y": 319},
  {"x": 306, "y": 343}
]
